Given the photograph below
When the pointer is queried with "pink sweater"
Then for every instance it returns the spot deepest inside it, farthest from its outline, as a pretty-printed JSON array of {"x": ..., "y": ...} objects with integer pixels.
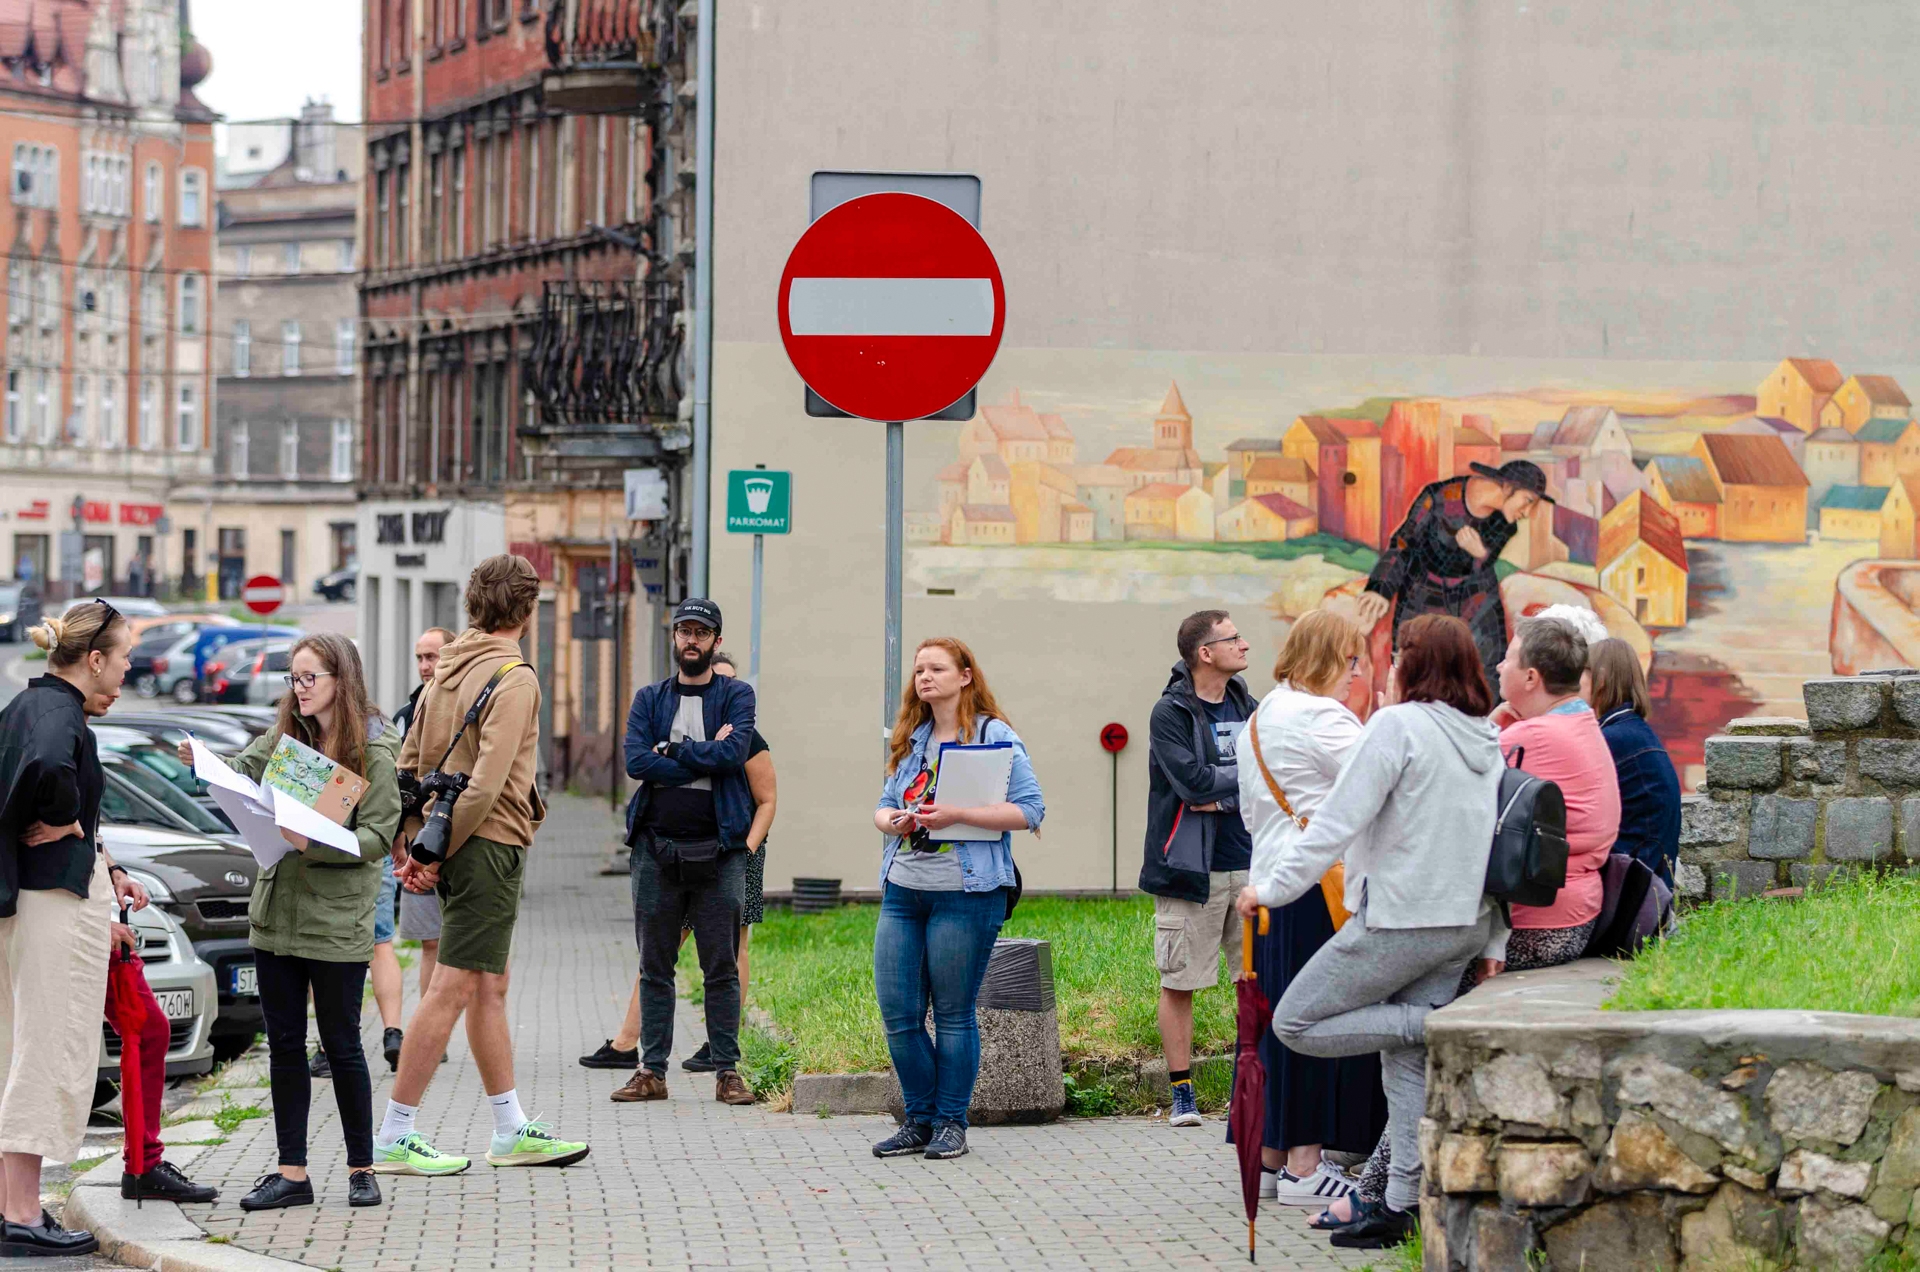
[{"x": 1569, "y": 750}]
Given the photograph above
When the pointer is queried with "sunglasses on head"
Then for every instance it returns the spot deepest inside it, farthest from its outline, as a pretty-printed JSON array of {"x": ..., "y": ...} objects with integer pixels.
[{"x": 106, "y": 623}]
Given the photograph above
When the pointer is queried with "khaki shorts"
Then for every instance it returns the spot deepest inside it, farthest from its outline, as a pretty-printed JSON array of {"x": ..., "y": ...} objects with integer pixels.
[
  {"x": 1188, "y": 936},
  {"x": 479, "y": 900}
]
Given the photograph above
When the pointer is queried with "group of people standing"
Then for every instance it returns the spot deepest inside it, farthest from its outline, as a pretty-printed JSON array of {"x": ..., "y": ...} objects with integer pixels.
[{"x": 1370, "y": 817}]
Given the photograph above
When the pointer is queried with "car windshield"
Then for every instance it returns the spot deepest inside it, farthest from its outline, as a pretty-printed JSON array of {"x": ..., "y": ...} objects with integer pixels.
[
  {"x": 9, "y": 596},
  {"x": 168, "y": 796}
]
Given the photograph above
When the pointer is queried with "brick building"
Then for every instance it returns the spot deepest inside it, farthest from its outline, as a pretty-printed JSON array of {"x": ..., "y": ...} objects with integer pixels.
[
  {"x": 103, "y": 433},
  {"x": 522, "y": 311}
]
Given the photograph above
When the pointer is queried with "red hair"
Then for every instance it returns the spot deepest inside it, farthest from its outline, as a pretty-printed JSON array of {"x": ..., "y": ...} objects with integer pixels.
[
  {"x": 976, "y": 701},
  {"x": 1439, "y": 663}
]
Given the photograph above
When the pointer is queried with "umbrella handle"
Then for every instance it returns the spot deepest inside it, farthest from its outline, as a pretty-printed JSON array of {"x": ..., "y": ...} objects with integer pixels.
[{"x": 1246, "y": 943}]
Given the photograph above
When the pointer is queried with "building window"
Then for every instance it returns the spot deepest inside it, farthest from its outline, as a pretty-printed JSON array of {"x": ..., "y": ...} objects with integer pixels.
[
  {"x": 459, "y": 19},
  {"x": 290, "y": 450},
  {"x": 13, "y": 406},
  {"x": 243, "y": 261},
  {"x": 77, "y": 423},
  {"x": 44, "y": 303},
  {"x": 149, "y": 415},
  {"x": 190, "y": 304},
  {"x": 189, "y": 434},
  {"x": 403, "y": 200},
  {"x": 459, "y": 210},
  {"x": 152, "y": 200},
  {"x": 290, "y": 258},
  {"x": 382, "y": 209},
  {"x": 289, "y": 348},
  {"x": 524, "y": 188},
  {"x": 111, "y": 426},
  {"x": 343, "y": 338},
  {"x": 151, "y": 304},
  {"x": 237, "y": 457},
  {"x": 242, "y": 347},
  {"x": 486, "y": 192},
  {"x": 343, "y": 450},
  {"x": 346, "y": 255},
  {"x": 193, "y": 197},
  {"x": 42, "y": 409},
  {"x": 437, "y": 174},
  {"x": 36, "y": 176}
]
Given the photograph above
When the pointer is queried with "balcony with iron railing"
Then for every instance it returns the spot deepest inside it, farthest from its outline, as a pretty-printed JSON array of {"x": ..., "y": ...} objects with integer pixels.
[
  {"x": 607, "y": 56},
  {"x": 604, "y": 371}
]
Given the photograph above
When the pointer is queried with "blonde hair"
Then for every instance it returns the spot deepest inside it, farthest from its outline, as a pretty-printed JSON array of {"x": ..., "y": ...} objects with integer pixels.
[
  {"x": 82, "y": 629},
  {"x": 976, "y": 701},
  {"x": 1617, "y": 679},
  {"x": 1318, "y": 651}
]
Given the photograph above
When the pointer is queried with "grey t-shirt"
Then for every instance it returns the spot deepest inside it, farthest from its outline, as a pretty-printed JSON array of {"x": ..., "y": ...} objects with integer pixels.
[{"x": 926, "y": 871}]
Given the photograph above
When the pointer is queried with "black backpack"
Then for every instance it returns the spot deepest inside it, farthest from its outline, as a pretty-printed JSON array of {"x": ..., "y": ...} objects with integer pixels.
[
  {"x": 1528, "y": 864},
  {"x": 1636, "y": 906}
]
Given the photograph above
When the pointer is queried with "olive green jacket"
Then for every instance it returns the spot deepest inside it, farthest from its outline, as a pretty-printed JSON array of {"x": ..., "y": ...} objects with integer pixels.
[{"x": 318, "y": 904}]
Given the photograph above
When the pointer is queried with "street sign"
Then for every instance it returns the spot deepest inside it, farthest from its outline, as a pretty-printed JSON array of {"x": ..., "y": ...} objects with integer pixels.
[
  {"x": 646, "y": 494},
  {"x": 263, "y": 594},
  {"x": 891, "y": 306},
  {"x": 759, "y": 502},
  {"x": 1113, "y": 738}
]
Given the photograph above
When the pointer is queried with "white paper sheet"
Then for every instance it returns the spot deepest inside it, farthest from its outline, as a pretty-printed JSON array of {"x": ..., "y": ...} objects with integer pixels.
[
  {"x": 971, "y": 777},
  {"x": 259, "y": 814}
]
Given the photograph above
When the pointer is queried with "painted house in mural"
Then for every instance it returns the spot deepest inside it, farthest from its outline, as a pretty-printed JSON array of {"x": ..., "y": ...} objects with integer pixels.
[
  {"x": 1103, "y": 489},
  {"x": 1015, "y": 431},
  {"x": 1889, "y": 447},
  {"x": 1899, "y": 517},
  {"x": 1040, "y": 496},
  {"x": 1853, "y": 512},
  {"x": 1171, "y": 460},
  {"x": 1281, "y": 475},
  {"x": 1685, "y": 486},
  {"x": 1345, "y": 454},
  {"x": 1643, "y": 561},
  {"x": 1265, "y": 519},
  {"x": 1831, "y": 458},
  {"x": 989, "y": 480},
  {"x": 1765, "y": 491},
  {"x": 1863, "y": 398},
  {"x": 974, "y": 524},
  {"x": 1798, "y": 390},
  {"x": 1773, "y": 426},
  {"x": 1579, "y": 532},
  {"x": 1242, "y": 455},
  {"x": 1168, "y": 510}
]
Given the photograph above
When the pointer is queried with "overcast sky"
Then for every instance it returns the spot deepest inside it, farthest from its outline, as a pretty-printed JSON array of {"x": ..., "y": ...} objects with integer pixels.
[{"x": 269, "y": 56}]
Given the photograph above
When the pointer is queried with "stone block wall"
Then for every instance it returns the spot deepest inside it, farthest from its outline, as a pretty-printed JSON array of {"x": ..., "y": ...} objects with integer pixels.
[
  {"x": 1561, "y": 1136},
  {"x": 1788, "y": 802}
]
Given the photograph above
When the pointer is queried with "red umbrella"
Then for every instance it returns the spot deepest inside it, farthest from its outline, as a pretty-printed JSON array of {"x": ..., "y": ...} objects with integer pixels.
[
  {"x": 1247, "y": 1114},
  {"x": 128, "y": 1002}
]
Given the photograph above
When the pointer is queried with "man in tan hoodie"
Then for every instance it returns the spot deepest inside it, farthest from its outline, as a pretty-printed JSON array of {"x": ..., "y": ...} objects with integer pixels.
[{"x": 479, "y": 881}]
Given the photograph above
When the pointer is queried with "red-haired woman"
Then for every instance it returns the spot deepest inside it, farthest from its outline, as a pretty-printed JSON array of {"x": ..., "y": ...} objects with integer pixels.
[
  {"x": 942, "y": 901},
  {"x": 1413, "y": 813}
]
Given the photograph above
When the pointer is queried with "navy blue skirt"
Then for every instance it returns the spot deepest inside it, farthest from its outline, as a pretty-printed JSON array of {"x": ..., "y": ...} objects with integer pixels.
[{"x": 1336, "y": 1103}]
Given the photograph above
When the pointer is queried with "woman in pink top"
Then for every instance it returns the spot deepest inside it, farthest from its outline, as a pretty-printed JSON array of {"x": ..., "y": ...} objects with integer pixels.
[{"x": 1550, "y": 732}]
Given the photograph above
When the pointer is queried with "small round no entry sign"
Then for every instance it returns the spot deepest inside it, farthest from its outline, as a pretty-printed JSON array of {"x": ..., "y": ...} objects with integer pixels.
[
  {"x": 891, "y": 306},
  {"x": 263, "y": 594}
]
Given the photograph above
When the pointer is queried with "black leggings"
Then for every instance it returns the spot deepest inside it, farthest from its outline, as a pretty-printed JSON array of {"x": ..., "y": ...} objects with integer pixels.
[{"x": 337, "y": 990}]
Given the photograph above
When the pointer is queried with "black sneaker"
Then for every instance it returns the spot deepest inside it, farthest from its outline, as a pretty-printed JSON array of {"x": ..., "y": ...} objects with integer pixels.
[
  {"x": 43, "y": 1240},
  {"x": 362, "y": 1188},
  {"x": 390, "y": 1042},
  {"x": 319, "y": 1066},
  {"x": 1375, "y": 1226},
  {"x": 700, "y": 1061},
  {"x": 949, "y": 1140},
  {"x": 912, "y": 1137},
  {"x": 164, "y": 1183},
  {"x": 611, "y": 1057},
  {"x": 277, "y": 1192}
]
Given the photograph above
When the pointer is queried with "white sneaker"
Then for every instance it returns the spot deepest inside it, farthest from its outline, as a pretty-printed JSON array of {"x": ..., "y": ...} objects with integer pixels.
[{"x": 1323, "y": 1187}]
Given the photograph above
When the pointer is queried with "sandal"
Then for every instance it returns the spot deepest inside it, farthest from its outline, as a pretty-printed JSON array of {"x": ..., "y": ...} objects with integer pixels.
[{"x": 1327, "y": 1221}]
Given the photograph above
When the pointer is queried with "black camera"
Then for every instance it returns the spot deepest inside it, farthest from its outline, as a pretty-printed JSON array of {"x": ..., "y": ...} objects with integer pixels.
[{"x": 444, "y": 789}]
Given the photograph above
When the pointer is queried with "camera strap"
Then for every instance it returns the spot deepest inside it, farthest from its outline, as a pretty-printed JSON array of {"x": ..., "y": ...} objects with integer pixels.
[{"x": 473, "y": 712}]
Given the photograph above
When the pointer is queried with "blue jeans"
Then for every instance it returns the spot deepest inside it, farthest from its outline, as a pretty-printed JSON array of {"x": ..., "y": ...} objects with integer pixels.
[
  {"x": 384, "y": 904},
  {"x": 934, "y": 945}
]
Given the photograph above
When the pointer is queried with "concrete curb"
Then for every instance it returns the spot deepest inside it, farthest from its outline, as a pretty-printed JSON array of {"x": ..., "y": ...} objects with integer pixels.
[
  {"x": 844, "y": 1094},
  {"x": 157, "y": 1235}
]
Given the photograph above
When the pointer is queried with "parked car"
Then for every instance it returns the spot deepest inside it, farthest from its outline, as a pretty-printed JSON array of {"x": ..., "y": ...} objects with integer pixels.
[
  {"x": 19, "y": 610},
  {"x": 131, "y": 606},
  {"x": 251, "y": 715},
  {"x": 162, "y": 761},
  {"x": 177, "y": 623},
  {"x": 166, "y": 668},
  {"x": 183, "y": 984},
  {"x": 208, "y": 643},
  {"x": 340, "y": 585},
  {"x": 225, "y": 735},
  {"x": 204, "y": 885},
  {"x": 264, "y": 680},
  {"x": 228, "y": 671}
]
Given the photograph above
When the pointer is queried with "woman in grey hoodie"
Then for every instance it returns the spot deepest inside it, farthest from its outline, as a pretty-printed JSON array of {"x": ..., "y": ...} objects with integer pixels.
[{"x": 1413, "y": 814}]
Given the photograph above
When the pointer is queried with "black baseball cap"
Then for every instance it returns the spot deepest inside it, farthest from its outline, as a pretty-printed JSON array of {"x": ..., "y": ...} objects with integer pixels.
[{"x": 697, "y": 609}]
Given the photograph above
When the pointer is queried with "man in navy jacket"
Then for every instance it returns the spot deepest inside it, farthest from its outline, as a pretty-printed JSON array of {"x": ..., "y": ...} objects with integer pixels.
[{"x": 687, "y": 741}]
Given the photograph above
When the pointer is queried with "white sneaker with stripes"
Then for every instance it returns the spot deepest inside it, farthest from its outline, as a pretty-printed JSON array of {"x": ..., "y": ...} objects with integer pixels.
[{"x": 1323, "y": 1187}]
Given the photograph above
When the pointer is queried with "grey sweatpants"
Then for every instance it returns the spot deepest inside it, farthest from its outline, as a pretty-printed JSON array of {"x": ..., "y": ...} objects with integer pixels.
[{"x": 1372, "y": 990}]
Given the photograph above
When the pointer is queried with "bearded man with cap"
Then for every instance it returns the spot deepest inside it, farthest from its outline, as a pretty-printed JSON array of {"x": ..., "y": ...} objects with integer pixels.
[
  {"x": 687, "y": 742},
  {"x": 1441, "y": 559}
]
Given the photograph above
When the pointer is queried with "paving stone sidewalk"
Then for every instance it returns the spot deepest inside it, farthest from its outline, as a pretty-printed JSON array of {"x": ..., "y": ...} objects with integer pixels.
[{"x": 693, "y": 1183}]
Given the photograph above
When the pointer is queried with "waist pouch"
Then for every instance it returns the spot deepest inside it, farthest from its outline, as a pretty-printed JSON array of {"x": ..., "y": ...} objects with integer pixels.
[{"x": 686, "y": 861}]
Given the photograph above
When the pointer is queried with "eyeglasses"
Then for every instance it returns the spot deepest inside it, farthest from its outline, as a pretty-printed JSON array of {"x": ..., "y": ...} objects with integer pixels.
[
  {"x": 693, "y": 631},
  {"x": 1235, "y": 639},
  {"x": 106, "y": 623},
  {"x": 305, "y": 679}
]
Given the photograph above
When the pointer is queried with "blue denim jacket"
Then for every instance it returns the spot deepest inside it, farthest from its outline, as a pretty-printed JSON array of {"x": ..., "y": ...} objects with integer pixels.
[
  {"x": 985, "y": 864},
  {"x": 1649, "y": 792}
]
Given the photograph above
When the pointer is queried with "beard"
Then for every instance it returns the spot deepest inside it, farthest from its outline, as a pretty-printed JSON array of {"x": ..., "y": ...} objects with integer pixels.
[{"x": 694, "y": 660}]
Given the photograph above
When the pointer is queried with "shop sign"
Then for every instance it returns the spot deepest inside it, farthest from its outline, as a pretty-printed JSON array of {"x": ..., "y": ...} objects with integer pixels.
[
  {"x": 35, "y": 511},
  {"x": 132, "y": 514},
  {"x": 98, "y": 511}
]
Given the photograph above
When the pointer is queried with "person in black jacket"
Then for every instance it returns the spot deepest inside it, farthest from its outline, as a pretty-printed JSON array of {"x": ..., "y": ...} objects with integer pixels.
[
  {"x": 1197, "y": 849},
  {"x": 57, "y": 894}
]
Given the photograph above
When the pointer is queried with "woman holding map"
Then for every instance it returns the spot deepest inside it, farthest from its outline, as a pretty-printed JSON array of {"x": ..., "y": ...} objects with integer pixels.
[{"x": 311, "y": 918}]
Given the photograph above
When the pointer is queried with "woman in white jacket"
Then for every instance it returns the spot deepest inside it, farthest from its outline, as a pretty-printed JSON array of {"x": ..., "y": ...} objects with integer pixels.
[
  {"x": 1413, "y": 813},
  {"x": 1304, "y": 731}
]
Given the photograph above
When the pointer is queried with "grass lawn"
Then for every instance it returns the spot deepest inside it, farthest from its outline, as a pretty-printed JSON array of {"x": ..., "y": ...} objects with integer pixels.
[
  {"x": 1757, "y": 953},
  {"x": 814, "y": 975}
]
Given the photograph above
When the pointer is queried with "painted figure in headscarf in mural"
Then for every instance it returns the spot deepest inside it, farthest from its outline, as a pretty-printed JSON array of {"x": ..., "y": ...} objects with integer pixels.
[{"x": 1441, "y": 559}]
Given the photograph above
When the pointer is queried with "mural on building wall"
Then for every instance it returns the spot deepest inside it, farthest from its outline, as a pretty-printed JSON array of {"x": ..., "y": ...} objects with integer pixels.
[{"x": 1741, "y": 535}]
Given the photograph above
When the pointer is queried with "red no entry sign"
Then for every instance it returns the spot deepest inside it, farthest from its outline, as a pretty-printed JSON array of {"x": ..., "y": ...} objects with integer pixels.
[
  {"x": 263, "y": 594},
  {"x": 891, "y": 306}
]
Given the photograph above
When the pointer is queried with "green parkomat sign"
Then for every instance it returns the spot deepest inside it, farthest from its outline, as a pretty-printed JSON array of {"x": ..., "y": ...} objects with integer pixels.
[{"x": 759, "y": 501}]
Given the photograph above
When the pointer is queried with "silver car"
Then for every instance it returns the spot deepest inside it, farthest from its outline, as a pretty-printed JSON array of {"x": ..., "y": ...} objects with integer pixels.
[
  {"x": 265, "y": 676},
  {"x": 183, "y": 984}
]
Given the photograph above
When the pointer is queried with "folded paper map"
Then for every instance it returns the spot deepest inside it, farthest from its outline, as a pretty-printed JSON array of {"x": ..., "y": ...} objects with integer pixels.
[
  {"x": 313, "y": 779},
  {"x": 260, "y": 813}
]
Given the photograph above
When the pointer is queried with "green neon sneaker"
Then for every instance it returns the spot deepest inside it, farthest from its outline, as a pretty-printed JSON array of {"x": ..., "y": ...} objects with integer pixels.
[
  {"x": 534, "y": 1145},
  {"x": 412, "y": 1155}
]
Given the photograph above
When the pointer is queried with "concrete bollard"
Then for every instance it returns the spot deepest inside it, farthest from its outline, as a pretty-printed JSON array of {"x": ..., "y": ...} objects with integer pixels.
[{"x": 1021, "y": 1080}]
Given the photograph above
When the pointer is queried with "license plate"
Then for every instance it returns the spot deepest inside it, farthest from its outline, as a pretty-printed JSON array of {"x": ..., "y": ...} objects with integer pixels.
[
  {"x": 246, "y": 982},
  {"x": 177, "y": 1004}
]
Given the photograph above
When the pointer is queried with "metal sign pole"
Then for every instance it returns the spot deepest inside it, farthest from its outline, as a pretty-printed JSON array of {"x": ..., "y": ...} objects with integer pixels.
[
  {"x": 618, "y": 714},
  {"x": 896, "y": 551}
]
